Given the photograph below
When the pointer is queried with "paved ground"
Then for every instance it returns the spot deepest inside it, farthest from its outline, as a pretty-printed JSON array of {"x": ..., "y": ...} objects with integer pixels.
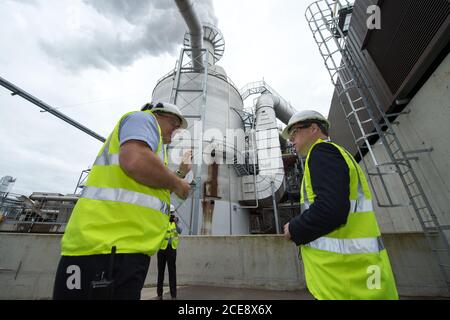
[{"x": 220, "y": 293}]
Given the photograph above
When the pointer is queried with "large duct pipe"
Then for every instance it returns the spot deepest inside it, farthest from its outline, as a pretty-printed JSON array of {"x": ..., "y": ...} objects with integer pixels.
[
  {"x": 270, "y": 180},
  {"x": 186, "y": 8},
  {"x": 283, "y": 109}
]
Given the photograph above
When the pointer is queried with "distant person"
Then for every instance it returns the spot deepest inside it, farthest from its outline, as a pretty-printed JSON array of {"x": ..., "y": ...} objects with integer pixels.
[
  {"x": 122, "y": 215},
  {"x": 340, "y": 242},
  {"x": 168, "y": 254}
]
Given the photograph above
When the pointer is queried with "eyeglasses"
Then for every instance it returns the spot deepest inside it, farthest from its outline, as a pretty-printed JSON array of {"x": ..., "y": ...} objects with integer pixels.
[{"x": 296, "y": 129}]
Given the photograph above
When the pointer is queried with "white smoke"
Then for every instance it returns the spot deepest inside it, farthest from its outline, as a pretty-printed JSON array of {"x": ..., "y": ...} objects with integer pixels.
[{"x": 137, "y": 28}]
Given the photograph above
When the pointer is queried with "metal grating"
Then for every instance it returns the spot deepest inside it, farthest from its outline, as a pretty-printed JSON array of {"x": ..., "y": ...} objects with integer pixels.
[{"x": 397, "y": 47}]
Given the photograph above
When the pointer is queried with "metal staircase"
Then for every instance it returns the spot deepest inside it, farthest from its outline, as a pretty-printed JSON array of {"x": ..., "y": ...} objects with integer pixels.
[
  {"x": 241, "y": 169},
  {"x": 368, "y": 124},
  {"x": 249, "y": 165}
]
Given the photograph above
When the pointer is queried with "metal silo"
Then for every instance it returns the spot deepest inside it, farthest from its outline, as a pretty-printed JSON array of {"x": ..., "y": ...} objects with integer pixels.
[{"x": 211, "y": 103}]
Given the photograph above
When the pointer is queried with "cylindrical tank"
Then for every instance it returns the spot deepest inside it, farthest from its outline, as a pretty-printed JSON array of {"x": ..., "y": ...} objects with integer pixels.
[
  {"x": 219, "y": 212},
  {"x": 6, "y": 184}
]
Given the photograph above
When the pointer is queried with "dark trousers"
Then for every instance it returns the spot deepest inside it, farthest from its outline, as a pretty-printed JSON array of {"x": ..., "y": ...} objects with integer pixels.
[
  {"x": 75, "y": 275},
  {"x": 168, "y": 255}
]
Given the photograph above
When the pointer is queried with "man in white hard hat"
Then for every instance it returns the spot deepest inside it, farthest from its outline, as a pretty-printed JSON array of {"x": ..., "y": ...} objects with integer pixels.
[
  {"x": 122, "y": 215},
  {"x": 338, "y": 235}
]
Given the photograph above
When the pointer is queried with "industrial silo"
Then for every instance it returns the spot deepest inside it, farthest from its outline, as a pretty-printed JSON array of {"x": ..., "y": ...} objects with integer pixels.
[
  {"x": 238, "y": 167},
  {"x": 210, "y": 101}
]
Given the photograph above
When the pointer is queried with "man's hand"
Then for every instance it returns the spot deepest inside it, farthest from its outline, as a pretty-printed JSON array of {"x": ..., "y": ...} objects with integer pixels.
[
  {"x": 140, "y": 163},
  {"x": 186, "y": 163},
  {"x": 287, "y": 234},
  {"x": 182, "y": 189}
]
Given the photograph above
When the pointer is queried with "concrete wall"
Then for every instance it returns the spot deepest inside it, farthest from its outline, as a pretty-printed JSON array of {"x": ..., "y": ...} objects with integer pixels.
[
  {"x": 256, "y": 261},
  {"x": 28, "y": 263},
  {"x": 426, "y": 126}
]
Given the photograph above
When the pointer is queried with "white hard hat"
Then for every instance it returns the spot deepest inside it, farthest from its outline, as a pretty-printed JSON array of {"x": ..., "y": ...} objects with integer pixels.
[
  {"x": 303, "y": 116},
  {"x": 166, "y": 107},
  {"x": 172, "y": 208}
]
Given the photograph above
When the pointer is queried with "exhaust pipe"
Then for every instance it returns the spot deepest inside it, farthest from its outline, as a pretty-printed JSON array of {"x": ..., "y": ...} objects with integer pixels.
[{"x": 186, "y": 8}]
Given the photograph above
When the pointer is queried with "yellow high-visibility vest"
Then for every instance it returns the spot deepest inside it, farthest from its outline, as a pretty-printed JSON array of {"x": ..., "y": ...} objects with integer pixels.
[
  {"x": 116, "y": 210},
  {"x": 351, "y": 261},
  {"x": 171, "y": 233}
]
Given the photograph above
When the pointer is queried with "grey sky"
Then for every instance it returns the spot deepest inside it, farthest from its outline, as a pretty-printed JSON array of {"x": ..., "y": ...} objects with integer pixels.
[{"x": 98, "y": 59}]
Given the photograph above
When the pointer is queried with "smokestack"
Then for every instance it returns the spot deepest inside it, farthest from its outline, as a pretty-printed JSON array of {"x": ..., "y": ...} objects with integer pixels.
[{"x": 186, "y": 8}]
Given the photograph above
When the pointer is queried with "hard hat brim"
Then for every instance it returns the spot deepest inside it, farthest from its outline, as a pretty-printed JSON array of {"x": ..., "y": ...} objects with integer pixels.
[
  {"x": 285, "y": 132},
  {"x": 184, "y": 123}
]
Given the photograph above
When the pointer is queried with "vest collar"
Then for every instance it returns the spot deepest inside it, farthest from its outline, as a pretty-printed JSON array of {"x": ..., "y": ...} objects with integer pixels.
[{"x": 317, "y": 142}]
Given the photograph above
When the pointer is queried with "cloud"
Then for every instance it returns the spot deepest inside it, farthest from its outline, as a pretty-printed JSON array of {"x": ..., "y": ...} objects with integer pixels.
[
  {"x": 133, "y": 11},
  {"x": 138, "y": 11},
  {"x": 126, "y": 31},
  {"x": 26, "y": 2}
]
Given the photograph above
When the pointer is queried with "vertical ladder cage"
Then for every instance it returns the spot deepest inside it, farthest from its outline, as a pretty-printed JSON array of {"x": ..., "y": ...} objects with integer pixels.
[
  {"x": 187, "y": 91},
  {"x": 368, "y": 123}
]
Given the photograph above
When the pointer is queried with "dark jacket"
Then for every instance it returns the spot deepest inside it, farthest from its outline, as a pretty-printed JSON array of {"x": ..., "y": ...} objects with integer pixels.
[{"x": 331, "y": 183}]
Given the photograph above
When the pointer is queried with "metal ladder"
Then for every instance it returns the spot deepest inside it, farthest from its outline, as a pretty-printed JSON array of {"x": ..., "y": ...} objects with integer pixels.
[
  {"x": 82, "y": 181},
  {"x": 183, "y": 89},
  {"x": 186, "y": 68},
  {"x": 362, "y": 110}
]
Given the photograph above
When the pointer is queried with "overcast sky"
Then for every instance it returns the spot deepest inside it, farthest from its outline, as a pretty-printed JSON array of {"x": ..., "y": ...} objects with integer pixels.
[{"x": 98, "y": 59}]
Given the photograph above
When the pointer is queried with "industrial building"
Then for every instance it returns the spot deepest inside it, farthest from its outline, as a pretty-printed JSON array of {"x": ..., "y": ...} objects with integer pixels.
[{"x": 390, "y": 109}]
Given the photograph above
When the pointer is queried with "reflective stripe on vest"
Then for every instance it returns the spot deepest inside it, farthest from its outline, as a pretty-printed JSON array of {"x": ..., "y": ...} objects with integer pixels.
[
  {"x": 338, "y": 265},
  {"x": 348, "y": 246},
  {"x": 115, "y": 209},
  {"x": 171, "y": 236},
  {"x": 107, "y": 159},
  {"x": 360, "y": 205},
  {"x": 126, "y": 196}
]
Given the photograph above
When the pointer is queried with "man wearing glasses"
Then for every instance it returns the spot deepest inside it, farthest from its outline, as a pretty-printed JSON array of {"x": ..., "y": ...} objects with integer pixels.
[
  {"x": 337, "y": 232},
  {"x": 122, "y": 215}
]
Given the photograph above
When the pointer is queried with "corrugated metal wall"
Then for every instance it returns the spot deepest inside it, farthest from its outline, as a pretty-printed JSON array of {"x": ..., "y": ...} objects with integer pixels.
[
  {"x": 408, "y": 27},
  {"x": 397, "y": 58}
]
